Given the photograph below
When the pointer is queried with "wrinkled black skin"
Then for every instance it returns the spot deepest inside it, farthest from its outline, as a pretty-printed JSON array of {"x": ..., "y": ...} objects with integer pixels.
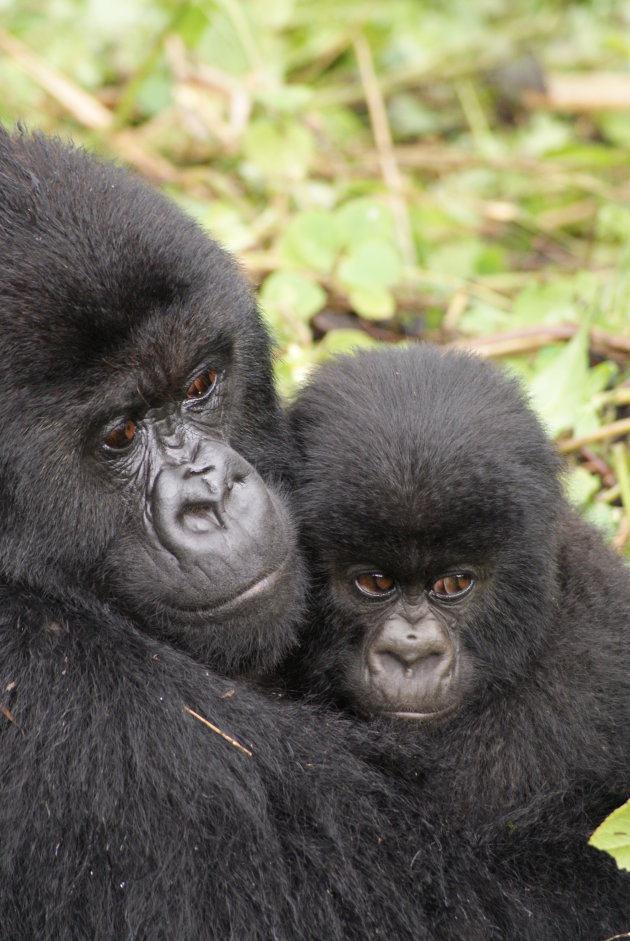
[
  {"x": 121, "y": 602},
  {"x": 415, "y": 464}
]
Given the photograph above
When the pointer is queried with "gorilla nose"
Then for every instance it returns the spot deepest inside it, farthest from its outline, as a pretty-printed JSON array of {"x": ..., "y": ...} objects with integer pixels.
[
  {"x": 206, "y": 488},
  {"x": 191, "y": 500},
  {"x": 405, "y": 659}
]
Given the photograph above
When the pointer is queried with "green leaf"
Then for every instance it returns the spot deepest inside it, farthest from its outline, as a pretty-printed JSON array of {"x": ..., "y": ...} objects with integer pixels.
[
  {"x": 277, "y": 151},
  {"x": 581, "y": 486},
  {"x": 373, "y": 263},
  {"x": 312, "y": 239},
  {"x": 372, "y": 303},
  {"x": 362, "y": 219},
  {"x": 291, "y": 295},
  {"x": 285, "y": 98},
  {"x": 613, "y": 836},
  {"x": 458, "y": 257},
  {"x": 604, "y": 517},
  {"x": 560, "y": 390}
]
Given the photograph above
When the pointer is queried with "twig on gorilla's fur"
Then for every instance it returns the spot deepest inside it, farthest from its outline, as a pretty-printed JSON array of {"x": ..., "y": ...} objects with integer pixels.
[{"x": 228, "y": 738}]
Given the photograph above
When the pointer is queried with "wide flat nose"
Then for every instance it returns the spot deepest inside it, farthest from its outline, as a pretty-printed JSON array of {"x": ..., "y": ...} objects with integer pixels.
[
  {"x": 408, "y": 644},
  {"x": 410, "y": 664},
  {"x": 191, "y": 498},
  {"x": 206, "y": 485}
]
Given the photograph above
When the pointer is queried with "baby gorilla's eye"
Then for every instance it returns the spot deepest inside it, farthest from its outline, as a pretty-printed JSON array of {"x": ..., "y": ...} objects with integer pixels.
[
  {"x": 202, "y": 384},
  {"x": 374, "y": 584},
  {"x": 449, "y": 587},
  {"x": 121, "y": 436}
]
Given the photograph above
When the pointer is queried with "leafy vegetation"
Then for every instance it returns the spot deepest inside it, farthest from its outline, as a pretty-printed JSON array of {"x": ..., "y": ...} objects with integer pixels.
[{"x": 614, "y": 836}]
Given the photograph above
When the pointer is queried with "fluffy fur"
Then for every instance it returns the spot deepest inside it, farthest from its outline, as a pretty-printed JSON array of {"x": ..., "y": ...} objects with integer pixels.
[
  {"x": 122, "y": 815},
  {"x": 420, "y": 462}
]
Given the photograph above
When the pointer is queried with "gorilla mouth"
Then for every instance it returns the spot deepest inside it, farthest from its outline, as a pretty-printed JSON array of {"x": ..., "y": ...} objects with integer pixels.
[
  {"x": 422, "y": 716},
  {"x": 259, "y": 588}
]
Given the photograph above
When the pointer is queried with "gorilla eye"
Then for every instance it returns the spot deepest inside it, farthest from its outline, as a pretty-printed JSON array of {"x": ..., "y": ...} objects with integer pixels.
[
  {"x": 202, "y": 384},
  {"x": 121, "y": 436},
  {"x": 451, "y": 586},
  {"x": 374, "y": 584}
]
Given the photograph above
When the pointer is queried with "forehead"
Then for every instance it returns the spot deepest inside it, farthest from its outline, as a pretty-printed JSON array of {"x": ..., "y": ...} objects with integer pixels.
[
  {"x": 409, "y": 452},
  {"x": 96, "y": 269}
]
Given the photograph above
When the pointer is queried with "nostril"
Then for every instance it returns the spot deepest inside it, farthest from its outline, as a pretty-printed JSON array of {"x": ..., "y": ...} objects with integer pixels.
[{"x": 192, "y": 471}]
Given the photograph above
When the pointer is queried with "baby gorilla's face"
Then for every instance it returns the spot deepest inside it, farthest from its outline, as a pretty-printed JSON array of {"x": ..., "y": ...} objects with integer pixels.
[
  {"x": 427, "y": 497},
  {"x": 408, "y": 660}
]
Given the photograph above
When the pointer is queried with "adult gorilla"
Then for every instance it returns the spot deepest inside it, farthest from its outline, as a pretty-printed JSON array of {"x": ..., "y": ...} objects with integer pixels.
[
  {"x": 142, "y": 796},
  {"x": 459, "y": 595}
]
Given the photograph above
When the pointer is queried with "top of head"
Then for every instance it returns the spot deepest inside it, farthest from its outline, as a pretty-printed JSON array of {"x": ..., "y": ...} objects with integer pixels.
[
  {"x": 85, "y": 244},
  {"x": 433, "y": 449}
]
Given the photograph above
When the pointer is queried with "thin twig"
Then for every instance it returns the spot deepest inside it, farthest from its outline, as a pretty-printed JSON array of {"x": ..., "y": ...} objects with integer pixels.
[
  {"x": 615, "y": 428},
  {"x": 530, "y": 339},
  {"x": 385, "y": 148},
  {"x": 6, "y": 712},
  {"x": 228, "y": 738},
  {"x": 87, "y": 110}
]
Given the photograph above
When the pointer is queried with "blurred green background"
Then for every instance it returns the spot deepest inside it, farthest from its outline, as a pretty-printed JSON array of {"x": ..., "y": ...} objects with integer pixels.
[{"x": 386, "y": 171}]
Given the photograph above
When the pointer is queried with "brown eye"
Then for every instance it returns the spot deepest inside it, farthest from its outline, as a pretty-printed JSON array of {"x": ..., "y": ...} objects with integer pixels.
[
  {"x": 121, "y": 436},
  {"x": 375, "y": 584},
  {"x": 202, "y": 384},
  {"x": 451, "y": 586}
]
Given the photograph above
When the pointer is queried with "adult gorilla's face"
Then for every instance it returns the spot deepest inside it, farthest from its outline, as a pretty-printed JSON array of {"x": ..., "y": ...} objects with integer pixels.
[
  {"x": 427, "y": 496},
  {"x": 139, "y": 433}
]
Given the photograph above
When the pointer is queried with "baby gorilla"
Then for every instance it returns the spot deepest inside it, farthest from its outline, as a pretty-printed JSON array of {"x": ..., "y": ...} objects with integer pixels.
[{"x": 456, "y": 591}]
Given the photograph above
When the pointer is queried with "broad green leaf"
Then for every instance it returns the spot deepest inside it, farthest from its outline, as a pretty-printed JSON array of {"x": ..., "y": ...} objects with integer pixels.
[
  {"x": 613, "y": 836},
  {"x": 373, "y": 263},
  {"x": 362, "y": 219},
  {"x": 558, "y": 389},
  {"x": 605, "y": 518},
  {"x": 480, "y": 318},
  {"x": 285, "y": 98},
  {"x": 312, "y": 239},
  {"x": 372, "y": 303},
  {"x": 581, "y": 486},
  {"x": 458, "y": 257},
  {"x": 278, "y": 150},
  {"x": 291, "y": 295}
]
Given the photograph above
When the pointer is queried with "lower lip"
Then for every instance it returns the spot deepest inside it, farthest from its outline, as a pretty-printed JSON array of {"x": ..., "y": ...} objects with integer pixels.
[
  {"x": 259, "y": 588},
  {"x": 420, "y": 716}
]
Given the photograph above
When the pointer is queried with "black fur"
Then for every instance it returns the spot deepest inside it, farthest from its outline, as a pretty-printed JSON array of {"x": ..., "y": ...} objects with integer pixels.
[
  {"x": 122, "y": 815},
  {"x": 416, "y": 463}
]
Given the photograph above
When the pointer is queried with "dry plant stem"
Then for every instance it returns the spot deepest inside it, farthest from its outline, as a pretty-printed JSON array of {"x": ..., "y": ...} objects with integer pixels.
[
  {"x": 620, "y": 539},
  {"x": 595, "y": 91},
  {"x": 6, "y": 712},
  {"x": 530, "y": 339},
  {"x": 86, "y": 109},
  {"x": 385, "y": 148},
  {"x": 613, "y": 430},
  {"x": 218, "y": 731}
]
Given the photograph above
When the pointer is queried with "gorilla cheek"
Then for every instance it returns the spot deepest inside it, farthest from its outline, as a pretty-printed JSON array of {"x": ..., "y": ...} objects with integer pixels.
[{"x": 408, "y": 670}]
